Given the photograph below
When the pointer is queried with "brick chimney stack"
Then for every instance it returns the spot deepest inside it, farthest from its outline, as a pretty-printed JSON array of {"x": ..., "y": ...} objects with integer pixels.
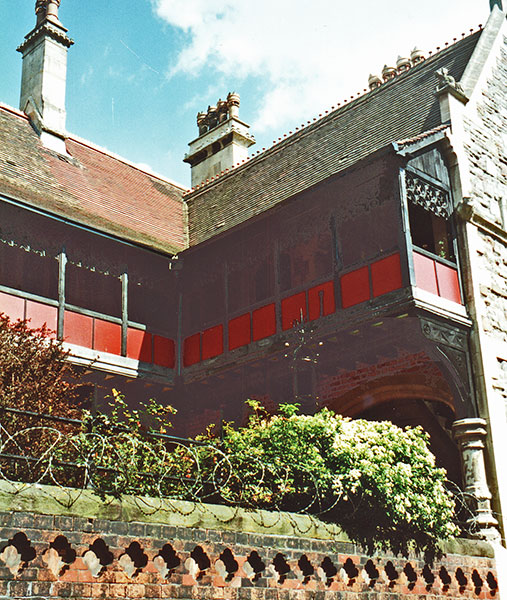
[
  {"x": 223, "y": 140},
  {"x": 44, "y": 75}
]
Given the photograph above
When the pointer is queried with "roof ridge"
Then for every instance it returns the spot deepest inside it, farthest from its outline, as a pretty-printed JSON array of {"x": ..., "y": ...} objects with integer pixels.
[{"x": 285, "y": 140}]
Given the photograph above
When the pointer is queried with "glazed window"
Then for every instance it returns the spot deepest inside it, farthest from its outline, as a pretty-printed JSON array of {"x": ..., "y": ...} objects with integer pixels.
[{"x": 429, "y": 210}]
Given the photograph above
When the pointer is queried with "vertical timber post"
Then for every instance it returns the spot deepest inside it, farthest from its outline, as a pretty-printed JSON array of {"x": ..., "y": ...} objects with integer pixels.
[
  {"x": 124, "y": 311},
  {"x": 62, "y": 264}
]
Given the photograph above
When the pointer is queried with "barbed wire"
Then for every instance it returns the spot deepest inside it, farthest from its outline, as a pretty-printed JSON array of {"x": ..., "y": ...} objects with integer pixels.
[{"x": 159, "y": 469}]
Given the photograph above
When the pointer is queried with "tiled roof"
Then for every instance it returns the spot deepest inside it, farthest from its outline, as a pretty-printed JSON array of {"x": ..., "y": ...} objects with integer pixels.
[
  {"x": 400, "y": 109},
  {"x": 91, "y": 187}
]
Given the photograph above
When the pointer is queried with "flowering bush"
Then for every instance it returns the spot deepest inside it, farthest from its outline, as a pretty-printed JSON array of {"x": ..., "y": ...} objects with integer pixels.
[{"x": 377, "y": 481}]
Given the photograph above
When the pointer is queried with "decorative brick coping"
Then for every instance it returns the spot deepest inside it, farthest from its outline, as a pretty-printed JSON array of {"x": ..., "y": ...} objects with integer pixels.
[{"x": 57, "y": 542}]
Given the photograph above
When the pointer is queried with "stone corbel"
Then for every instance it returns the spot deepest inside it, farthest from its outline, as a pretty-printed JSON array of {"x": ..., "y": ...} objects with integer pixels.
[{"x": 450, "y": 347}]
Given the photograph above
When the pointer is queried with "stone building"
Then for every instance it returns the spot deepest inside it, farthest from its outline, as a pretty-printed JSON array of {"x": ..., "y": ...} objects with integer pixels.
[{"x": 360, "y": 263}]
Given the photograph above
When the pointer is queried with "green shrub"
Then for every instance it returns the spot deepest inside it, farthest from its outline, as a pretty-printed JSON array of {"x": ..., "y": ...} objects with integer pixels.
[{"x": 377, "y": 481}]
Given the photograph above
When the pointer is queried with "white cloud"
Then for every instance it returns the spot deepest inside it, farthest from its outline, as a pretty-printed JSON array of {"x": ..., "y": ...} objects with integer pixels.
[{"x": 307, "y": 55}]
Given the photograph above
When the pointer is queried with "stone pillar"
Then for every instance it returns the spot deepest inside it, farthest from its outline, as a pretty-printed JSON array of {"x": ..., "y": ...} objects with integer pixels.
[{"x": 470, "y": 435}]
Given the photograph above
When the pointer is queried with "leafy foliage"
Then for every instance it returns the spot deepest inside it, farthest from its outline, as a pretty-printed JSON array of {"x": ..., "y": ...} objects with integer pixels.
[
  {"x": 118, "y": 447},
  {"x": 35, "y": 377},
  {"x": 377, "y": 481},
  {"x": 34, "y": 372},
  {"x": 381, "y": 481}
]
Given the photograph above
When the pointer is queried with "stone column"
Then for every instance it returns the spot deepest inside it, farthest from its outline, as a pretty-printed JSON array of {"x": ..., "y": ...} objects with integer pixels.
[{"x": 470, "y": 435}]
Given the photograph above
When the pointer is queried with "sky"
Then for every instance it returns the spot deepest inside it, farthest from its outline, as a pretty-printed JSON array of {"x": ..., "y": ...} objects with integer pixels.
[{"x": 141, "y": 70}]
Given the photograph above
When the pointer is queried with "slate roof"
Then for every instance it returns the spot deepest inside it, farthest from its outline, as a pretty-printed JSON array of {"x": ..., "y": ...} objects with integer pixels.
[
  {"x": 401, "y": 109},
  {"x": 92, "y": 187}
]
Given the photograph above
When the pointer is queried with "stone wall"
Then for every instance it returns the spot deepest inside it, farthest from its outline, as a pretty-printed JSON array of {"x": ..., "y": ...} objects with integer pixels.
[
  {"x": 486, "y": 148},
  {"x": 52, "y": 547},
  {"x": 485, "y": 254}
]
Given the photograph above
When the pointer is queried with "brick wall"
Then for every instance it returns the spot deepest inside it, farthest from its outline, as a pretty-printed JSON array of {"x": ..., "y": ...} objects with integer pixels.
[{"x": 182, "y": 550}]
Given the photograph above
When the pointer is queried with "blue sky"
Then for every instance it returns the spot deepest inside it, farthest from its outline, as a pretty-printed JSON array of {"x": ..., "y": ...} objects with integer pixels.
[{"x": 140, "y": 70}]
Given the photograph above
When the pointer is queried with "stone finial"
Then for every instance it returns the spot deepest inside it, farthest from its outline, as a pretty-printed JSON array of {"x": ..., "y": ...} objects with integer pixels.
[
  {"x": 374, "y": 81},
  {"x": 388, "y": 73},
  {"x": 403, "y": 64},
  {"x": 445, "y": 79},
  {"x": 416, "y": 56},
  {"x": 47, "y": 9},
  {"x": 233, "y": 104}
]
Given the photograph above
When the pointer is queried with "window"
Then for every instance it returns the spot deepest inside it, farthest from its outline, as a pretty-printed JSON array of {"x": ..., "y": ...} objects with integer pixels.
[{"x": 429, "y": 209}]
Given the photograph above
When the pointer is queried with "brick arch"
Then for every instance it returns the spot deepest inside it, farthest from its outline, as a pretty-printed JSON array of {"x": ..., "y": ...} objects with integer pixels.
[
  {"x": 409, "y": 399},
  {"x": 401, "y": 387}
]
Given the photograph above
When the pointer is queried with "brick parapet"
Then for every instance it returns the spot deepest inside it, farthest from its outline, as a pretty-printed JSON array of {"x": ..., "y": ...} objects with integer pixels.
[{"x": 170, "y": 553}]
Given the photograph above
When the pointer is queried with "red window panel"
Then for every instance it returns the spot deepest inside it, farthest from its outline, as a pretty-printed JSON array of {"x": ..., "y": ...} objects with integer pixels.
[
  {"x": 448, "y": 283},
  {"x": 293, "y": 308},
  {"x": 263, "y": 322},
  {"x": 139, "y": 345},
  {"x": 164, "y": 353},
  {"x": 107, "y": 337},
  {"x": 321, "y": 300},
  {"x": 425, "y": 274},
  {"x": 386, "y": 275},
  {"x": 239, "y": 331},
  {"x": 192, "y": 350},
  {"x": 42, "y": 314},
  {"x": 355, "y": 287},
  {"x": 78, "y": 329},
  {"x": 12, "y": 306},
  {"x": 213, "y": 342}
]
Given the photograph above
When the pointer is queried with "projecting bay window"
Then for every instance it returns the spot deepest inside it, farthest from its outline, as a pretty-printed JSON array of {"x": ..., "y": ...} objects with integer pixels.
[
  {"x": 429, "y": 210},
  {"x": 432, "y": 234}
]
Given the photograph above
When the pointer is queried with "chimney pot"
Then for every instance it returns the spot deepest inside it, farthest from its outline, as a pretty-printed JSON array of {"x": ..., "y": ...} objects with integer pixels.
[
  {"x": 221, "y": 144},
  {"x": 233, "y": 102},
  {"x": 388, "y": 73},
  {"x": 374, "y": 81},
  {"x": 403, "y": 64},
  {"x": 416, "y": 56}
]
